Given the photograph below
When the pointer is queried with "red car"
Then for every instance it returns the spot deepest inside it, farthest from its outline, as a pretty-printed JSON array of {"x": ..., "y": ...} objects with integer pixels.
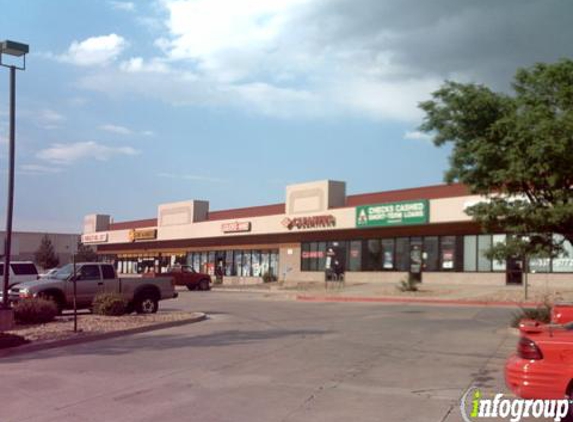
[
  {"x": 185, "y": 275},
  {"x": 562, "y": 313},
  {"x": 542, "y": 368}
]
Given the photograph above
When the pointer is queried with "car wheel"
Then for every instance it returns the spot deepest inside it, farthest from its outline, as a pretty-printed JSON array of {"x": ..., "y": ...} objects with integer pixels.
[
  {"x": 146, "y": 303},
  {"x": 204, "y": 285}
]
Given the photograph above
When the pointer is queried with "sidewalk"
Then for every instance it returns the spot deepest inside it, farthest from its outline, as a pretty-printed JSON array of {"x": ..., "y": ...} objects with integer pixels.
[{"x": 428, "y": 293}]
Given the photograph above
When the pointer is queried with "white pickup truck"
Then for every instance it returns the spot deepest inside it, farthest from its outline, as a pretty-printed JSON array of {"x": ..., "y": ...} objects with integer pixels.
[{"x": 142, "y": 294}]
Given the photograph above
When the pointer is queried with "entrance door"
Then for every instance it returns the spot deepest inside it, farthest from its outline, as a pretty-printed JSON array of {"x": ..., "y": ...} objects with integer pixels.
[
  {"x": 416, "y": 258},
  {"x": 514, "y": 273}
]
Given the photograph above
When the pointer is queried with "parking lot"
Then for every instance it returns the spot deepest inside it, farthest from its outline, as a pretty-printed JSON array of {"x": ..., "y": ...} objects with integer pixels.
[{"x": 267, "y": 359}]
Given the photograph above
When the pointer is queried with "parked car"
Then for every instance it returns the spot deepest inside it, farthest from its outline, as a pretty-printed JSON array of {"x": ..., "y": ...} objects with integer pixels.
[
  {"x": 48, "y": 273},
  {"x": 542, "y": 368},
  {"x": 185, "y": 275},
  {"x": 142, "y": 294},
  {"x": 562, "y": 313},
  {"x": 20, "y": 271}
]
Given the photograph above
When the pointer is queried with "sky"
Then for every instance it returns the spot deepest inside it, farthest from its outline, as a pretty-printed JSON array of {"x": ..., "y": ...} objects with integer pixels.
[{"x": 127, "y": 105}]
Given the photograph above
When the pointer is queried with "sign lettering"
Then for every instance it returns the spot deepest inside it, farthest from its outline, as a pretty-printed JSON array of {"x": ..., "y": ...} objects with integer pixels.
[{"x": 393, "y": 214}]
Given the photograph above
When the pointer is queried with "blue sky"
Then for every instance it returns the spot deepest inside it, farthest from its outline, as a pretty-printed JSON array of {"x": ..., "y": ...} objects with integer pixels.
[{"x": 125, "y": 105}]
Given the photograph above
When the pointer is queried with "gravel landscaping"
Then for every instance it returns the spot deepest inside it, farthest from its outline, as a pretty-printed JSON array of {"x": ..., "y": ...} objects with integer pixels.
[{"x": 88, "y": 325}]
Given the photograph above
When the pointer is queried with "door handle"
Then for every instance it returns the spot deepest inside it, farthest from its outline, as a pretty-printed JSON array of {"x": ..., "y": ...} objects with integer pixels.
[{"x": 100, "y": 283}]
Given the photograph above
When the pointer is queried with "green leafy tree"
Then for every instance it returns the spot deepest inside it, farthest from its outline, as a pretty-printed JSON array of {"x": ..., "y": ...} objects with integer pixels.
[
  {"x": 516, "y": 150},
  {"x": 45, "y": 255},
  {"x": 85, "y": 253}
]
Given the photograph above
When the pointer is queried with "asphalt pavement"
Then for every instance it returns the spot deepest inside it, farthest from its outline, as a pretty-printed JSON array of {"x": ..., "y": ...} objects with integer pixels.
[{"x": 264, "y": 358}]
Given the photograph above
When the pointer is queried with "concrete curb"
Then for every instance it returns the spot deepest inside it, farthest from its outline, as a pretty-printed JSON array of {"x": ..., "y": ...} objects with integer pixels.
[
  {"x": 28, "y": 348},
  {"x": 448, "y": 302}
]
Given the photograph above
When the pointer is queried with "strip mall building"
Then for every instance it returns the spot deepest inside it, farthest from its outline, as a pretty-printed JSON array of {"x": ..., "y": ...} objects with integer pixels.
[{"x": 376, "y": 237}]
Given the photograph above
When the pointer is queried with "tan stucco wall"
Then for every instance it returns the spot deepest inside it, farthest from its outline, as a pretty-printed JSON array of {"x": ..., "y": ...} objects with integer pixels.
[
  {"x": 441, "y": 211},
  {"x": 449, "y": 210}
]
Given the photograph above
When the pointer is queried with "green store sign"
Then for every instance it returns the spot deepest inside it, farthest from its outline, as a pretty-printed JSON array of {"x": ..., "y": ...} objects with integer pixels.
[{"x": 393, "y": 214}]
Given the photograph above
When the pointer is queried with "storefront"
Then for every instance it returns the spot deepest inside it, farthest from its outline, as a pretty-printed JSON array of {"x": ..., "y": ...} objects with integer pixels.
[{"x": 376, "y": 237}]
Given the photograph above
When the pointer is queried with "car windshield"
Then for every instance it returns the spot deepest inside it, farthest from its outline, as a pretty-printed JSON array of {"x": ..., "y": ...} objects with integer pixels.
[{"x": 63, "y": 273}]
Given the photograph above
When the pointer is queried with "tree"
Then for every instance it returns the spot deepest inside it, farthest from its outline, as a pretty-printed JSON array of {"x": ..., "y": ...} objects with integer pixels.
[
  {"x": 85, "y": 253},
  {"x": 516, "y": 150},
  {"x": 45, "y": 255}
]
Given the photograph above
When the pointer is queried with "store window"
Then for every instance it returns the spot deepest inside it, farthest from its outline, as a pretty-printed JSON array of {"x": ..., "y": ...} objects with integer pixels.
[
  {"x": 499, "y": 265},
  {"x": 265, "y": 262},
  {"x": 447, "y": 253},
  {"x": 313, "y": 256},
  {"x": 470, "y": 253},
  {"x": 321, "y": 256},
  {"x": 229, "y": 264},
  {"x": 563, "y": 263},
  {"x": 372, "y": 255},
  {"x": 540, "y": 265},
  {"x": 403, "y": 254},
  {"x": 430, "y": 253},
  {"x": 355, "y": 256},
  {"x": 305, "y": 257},
  {"x": 256, "y": 264},
  {"x": 387, "y": 254},
  {"x": 274, "y": 263},
  {"x": 211, "y": 262},
  {"x": 484, "y": 244},
  {"x": 246, "y": 264},
  {"x": 197, "y": 262}
]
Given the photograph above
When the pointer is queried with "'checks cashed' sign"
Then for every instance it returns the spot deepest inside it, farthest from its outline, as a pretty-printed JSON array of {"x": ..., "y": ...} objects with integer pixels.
[{"x": 393, "y": 214}]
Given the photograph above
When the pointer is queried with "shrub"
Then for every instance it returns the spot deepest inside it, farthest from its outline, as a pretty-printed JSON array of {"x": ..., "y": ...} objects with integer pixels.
[
  {"x": 35, "y": 311},
  {"x": 109, "y": 304},
  {"x": 542, "y": 314},
  {"x": 268, "y": 277},
  {"x": 408, "y": 285}
]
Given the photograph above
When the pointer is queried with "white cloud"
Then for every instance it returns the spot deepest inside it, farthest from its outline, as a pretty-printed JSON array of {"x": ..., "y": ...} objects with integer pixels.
[
  {"x": 49, "y": 119},
  {"x": 192, "y": 177},
  {"x": 120, "y": 130},
  {"x": 314, "y": 58},
  {"x": 137, "y": 64},
  {"x": 126, "y": 6},
  {"x": 94, "y": 51},
  {"x": 417, "y": 136},
  {"x": 37, "y": 169},
  {"x": 267, "y": 58},
  {"x": 228, "y": 39},
  {"x": 70, "y": 153}
]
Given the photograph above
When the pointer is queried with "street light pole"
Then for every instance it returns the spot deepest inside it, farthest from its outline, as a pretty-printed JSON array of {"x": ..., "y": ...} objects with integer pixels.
[
  {"x": 17, "y": 50},
  {"x": 10, "y": 199}
]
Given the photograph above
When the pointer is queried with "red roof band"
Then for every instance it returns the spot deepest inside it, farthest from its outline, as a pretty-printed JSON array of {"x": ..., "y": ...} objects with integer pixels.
[{"x": 426, "y": 192}]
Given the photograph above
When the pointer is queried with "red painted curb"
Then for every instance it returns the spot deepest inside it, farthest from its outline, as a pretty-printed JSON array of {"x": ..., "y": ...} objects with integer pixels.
[{"x": 343, "y": 299}]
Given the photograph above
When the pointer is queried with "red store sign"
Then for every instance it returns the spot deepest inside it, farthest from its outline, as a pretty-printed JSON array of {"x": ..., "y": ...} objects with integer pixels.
[{"x": 315, "y": 222}]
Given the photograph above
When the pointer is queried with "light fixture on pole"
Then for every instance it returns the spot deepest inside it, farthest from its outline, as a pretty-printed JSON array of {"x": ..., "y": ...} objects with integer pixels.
[{"x": 14, "y": 49}]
